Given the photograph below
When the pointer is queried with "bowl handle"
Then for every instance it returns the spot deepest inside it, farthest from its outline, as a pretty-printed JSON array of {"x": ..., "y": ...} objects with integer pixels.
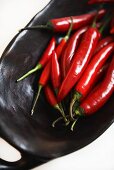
[{"x": 26, "y": 162}]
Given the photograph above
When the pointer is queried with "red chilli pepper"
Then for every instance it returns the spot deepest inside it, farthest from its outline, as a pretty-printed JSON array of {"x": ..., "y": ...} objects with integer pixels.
[
  {"x": 53, "y": 101},
  {"x": 70, "y": 49},
  {"x": 101, "y": 72},
  {"x": 80, "y": 61},
  {"x": 62, "y": 24},
  {"x": 89, "y": 75},
  {"x": 112, "y": 26},
  {"x": 98, "y": 77},
  {"x": 44, "y": 59},
  {"x": 85, "y": 83},
  {"x": 100, "y": 1},
  {"x": 112, "y": 30},
  {"x": 55, "y": 72},
  {"x": 100, "y": 94},
  {"x": 41, "y": 83},
  {"x": 102, "y": 43},
  {"x": 46, "y": 72},
  {"x": 64, "y": 40}
]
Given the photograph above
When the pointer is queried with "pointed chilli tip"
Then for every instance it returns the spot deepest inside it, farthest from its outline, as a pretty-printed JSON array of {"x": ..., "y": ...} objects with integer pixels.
[
  {"x": 56, "y": 121},
  {"x": 21, "y": 78},
  {"x": 32, "y": 112},
  {"x": 73, "y": 124}
]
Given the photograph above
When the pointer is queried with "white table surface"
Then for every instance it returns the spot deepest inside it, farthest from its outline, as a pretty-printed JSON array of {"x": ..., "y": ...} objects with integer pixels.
[{"x": 99, "y": 155}]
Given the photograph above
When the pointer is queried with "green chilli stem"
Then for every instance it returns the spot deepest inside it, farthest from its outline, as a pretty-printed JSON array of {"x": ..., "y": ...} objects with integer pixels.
[
  {"x": 73, "y": 124},
  {"x": 69, "y": 30},
  {"x": 105, "y": 24},
  {"x": 58, "y": 119},
  {"x": 71, "y": 107},
  {"x": 75, "y": 98},
  {"x": 95, "y": 19},
  {"x": 47, "y": 26},
  {"x": 36, "y": 99},
  {"x": 38, "y": 66},
  {"x": 79, "y": 111},
  {"x": 62, "y": 112}
]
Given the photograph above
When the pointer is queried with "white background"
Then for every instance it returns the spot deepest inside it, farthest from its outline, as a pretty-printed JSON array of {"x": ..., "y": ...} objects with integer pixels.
[{"x": 99, "y": 155}]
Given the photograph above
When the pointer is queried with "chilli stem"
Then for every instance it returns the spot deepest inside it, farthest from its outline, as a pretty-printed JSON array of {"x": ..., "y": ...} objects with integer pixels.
[
  {"x": 62, "y": 113},
  {"x": 61, "y": 110},
  {"x": 38, "y": 66},
  {"x": 36, "y": 99},
  {"x": 69, "y": 30},
  {"x": 75, "y": 98},
  {"x": 73, "y": 124},
  {"x": 58, "y": 119},
  {"x": 95, "y": 19},
  {"x": 36, "y": 27},
  {"x": 105, "y": 23}
]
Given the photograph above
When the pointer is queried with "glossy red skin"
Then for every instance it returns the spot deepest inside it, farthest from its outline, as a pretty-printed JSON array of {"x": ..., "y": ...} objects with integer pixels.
[
  {"x": 88, "y": 78},
  {"x": 55, "y": 71},
  {"x": 102, "y": 71},
  {"x": 62, "y": 24},
  {"x": 50, "y": 96},
  {"x": 100, "y": 1},
  {"x": 60, "y": 47},
  {"x": 102, "y": 43},
  {"x": 47, "y": 53},
  {"x": 112, "y": 26},
  {"x": 100, "y": 94},
  {"x": 98, "y": 77},
  {"x": 70, "y": 49},
  {"x": 112, "y": 30},
  {"x": 45, "y": 74},
  {"x": 80, "y": 61}
]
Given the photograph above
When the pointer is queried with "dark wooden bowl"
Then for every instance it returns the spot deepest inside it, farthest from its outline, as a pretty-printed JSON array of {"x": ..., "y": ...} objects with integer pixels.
[{"x": 33, "y": 136}]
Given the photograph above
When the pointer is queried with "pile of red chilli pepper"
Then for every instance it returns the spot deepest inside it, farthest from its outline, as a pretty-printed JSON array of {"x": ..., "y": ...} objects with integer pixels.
[{"x": 79, "y": 70}]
